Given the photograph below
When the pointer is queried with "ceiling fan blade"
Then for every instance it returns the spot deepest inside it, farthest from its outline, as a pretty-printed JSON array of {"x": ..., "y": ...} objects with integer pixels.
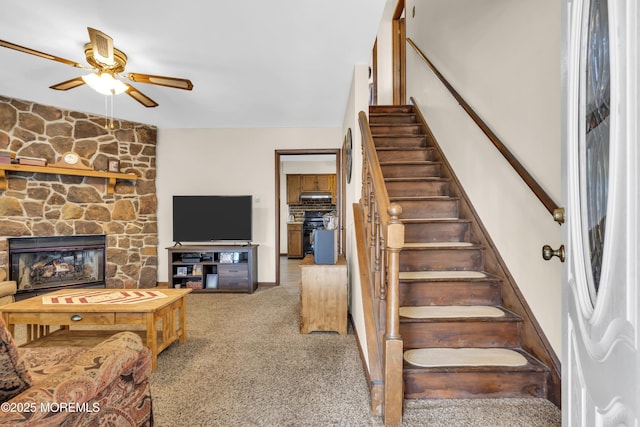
[
  {"x": 40, "y": 54},
  {"x": 173, "y": 82},
  {"x": 69, "y": 84},
  {"x": 102, "y": 46},
  {"x": 140, "y": 97}
]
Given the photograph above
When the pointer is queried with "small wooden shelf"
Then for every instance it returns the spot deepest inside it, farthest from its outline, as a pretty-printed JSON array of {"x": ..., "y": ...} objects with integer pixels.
[{"x": 111, "y": 177}]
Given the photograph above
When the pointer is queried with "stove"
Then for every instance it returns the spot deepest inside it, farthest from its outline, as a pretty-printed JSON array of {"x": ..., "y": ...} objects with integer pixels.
[{"x": 312, "y": 221}]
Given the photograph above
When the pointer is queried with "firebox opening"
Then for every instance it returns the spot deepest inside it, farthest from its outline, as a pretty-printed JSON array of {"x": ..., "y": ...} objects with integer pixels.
[{"x": 43, "y": 264}]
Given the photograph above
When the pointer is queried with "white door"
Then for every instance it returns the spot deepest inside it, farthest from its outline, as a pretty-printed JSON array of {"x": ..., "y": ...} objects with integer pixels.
[{"x": 601, "y": 81}]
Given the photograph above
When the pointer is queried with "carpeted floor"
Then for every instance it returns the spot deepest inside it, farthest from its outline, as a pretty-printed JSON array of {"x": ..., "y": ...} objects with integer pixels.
[{"x": 246, "y": 364}]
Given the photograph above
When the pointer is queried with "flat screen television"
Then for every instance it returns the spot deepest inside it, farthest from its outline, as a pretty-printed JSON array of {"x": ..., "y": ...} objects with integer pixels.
[{"x": 212, "y": 218}]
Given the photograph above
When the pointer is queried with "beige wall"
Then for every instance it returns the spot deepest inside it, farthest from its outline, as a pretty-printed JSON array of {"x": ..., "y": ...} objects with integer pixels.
[
  {"x": 503, "y": 57},
  {"x": 229, "y": 161},
  {"x": 384, "y": 68},
  {"x": 358, "y": 101}
]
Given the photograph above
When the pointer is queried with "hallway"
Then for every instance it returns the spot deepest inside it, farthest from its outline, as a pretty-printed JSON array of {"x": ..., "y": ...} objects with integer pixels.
[{"x": 289, "y": 271}]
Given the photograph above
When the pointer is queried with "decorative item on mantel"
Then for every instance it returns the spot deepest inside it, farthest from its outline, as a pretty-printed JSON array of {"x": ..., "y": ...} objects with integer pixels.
[
  {"x": 114, "y": 166},
  {"x": 71, "y": 160},
  {"x": 7, "y": 157},
  {"x": 31, "y": 161}
]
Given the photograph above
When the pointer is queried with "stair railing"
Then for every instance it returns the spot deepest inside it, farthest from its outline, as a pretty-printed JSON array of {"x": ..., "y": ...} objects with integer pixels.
[
  {"x": 385, "y": 239},
  {"x": 542, "y": 195}
]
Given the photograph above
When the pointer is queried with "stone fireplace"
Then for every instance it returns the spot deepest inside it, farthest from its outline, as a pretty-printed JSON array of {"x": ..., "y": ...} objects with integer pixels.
[
  {"x": 46, "y": 205},
  {"x": 43, "y": 264}
]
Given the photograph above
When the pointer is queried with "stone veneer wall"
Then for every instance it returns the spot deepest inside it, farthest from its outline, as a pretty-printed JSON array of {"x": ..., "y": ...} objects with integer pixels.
[{"x": 36, "y": 204}]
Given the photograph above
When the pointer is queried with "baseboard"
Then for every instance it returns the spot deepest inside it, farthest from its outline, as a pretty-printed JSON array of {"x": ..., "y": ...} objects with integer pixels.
[{"x": 374, "y": 388}]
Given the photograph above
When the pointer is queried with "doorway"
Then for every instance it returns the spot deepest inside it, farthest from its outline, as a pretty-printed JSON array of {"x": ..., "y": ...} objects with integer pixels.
[
  {"x": 307, "y": 155},
  {"x": 399, "y": 54}
]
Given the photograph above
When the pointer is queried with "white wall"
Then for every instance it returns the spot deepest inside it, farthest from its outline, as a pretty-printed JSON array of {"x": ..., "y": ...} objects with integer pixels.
[
  {"x": 503, "y": 57},
  {"x": 229, "y": 161}
]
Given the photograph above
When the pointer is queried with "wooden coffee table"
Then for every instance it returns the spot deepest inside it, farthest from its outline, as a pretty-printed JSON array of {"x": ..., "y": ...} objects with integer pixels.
[{"x": 39, "y": 317}]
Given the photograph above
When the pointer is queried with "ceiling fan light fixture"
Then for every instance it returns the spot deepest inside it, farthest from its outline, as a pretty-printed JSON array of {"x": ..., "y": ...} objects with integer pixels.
[
  {"x": 105, "y": 83},
  {"x": 106, "y": 62}
]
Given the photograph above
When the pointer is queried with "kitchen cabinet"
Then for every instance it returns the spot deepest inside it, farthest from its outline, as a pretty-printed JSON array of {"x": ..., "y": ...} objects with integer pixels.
[
  {"x": 313, "y": 183},
  {"x": 310, "y": 183},
  {"x": 294, "y": 188},
  {"x": 294, "y": 240}
]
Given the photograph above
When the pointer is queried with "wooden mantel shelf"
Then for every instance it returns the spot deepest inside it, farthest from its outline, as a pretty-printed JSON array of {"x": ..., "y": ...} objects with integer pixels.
[{"x": 112, "y": 177}]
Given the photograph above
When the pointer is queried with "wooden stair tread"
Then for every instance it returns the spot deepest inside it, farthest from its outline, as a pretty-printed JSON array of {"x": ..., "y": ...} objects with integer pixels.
[
  {"x": 437, "y": 245},
  {"x": 451, "y": 311},
  {"x": 416, "y": 179},
  {"x": 388, "y": 108},
  {"x": 401, "y": 119},
  {"x": 409, "y": 163},
  {"x": 460, "y": 357},
  {"x": 391, "y": 113},
  {"x": 433, "y": 220},
  {"x": 420, "y": 198},
  {"x": 395, "y": 135},
  {"x": 442, "y": 274},
  {"x": 386, "y": 148}
]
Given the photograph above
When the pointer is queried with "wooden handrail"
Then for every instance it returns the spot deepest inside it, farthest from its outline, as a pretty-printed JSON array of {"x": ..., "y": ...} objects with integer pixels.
[{"x": 542, "y": 195}]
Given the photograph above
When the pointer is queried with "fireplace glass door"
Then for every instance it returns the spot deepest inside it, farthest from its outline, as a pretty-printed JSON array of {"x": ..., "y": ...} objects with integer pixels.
[{"x": 49, "y": 263}]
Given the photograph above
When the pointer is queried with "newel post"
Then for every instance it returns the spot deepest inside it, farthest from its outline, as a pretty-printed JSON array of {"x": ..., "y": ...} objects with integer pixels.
[{"x": 393, "y": 387}]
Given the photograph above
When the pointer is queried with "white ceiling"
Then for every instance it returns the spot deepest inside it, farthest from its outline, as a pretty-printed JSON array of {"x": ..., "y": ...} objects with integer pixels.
[{"x": 253, "y": 63}]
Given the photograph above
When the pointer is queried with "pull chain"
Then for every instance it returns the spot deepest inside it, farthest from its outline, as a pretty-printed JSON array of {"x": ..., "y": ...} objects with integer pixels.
[
  {"x": 108, "y": 120},
  {"x": 111, "y": 111}
]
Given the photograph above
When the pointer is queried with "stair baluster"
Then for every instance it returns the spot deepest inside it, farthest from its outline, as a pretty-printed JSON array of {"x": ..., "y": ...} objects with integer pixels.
[{"x": 385, "y": 235}]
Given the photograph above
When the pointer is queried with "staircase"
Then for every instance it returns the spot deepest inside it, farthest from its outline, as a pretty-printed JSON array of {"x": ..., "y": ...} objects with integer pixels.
[{"x": 459, "y": 340}]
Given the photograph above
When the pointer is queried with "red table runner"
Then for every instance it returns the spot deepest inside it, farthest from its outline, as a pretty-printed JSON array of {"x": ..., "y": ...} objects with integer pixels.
[{"x": 115, "y": 297}]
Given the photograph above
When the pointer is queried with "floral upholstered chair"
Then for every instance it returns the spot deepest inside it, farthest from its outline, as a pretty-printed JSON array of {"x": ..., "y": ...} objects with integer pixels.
[{"x": 105, "y": 385}]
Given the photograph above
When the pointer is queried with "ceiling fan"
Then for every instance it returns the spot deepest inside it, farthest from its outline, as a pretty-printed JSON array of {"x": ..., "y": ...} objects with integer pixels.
[{"x": 106, "y": 62}]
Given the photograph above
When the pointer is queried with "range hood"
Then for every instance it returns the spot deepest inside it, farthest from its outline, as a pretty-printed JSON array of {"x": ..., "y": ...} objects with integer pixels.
[{"x": 315, "y": 195}]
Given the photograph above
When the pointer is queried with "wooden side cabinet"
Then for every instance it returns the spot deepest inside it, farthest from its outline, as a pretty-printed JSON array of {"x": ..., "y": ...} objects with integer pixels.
[
  {"x": 294, "y": 240},
  {"x": 323, "y": 296}
]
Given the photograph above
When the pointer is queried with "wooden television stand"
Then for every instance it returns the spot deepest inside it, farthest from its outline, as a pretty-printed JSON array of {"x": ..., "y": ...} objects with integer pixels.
[{"x": 214, "y": 268}]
